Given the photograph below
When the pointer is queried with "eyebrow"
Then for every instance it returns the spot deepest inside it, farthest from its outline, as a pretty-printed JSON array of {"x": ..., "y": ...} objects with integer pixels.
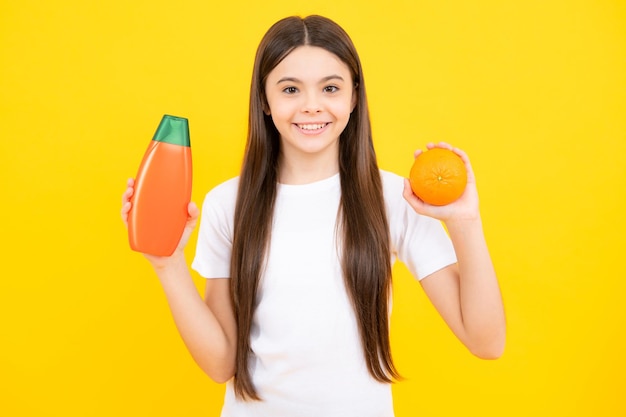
[{"x": 323, "y": 80}]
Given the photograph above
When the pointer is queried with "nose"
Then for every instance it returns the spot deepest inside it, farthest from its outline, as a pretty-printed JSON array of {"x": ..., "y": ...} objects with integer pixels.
[{"x": 312, "y": 103}]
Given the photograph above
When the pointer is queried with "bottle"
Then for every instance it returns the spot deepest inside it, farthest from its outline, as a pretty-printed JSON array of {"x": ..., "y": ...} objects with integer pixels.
[{"x": 162, "y": 192}]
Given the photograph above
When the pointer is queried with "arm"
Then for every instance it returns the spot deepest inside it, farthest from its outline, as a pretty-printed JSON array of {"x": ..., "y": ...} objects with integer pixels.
[
  {"x": 207, "y": 326},
  {"x": 467, "y": 294}
]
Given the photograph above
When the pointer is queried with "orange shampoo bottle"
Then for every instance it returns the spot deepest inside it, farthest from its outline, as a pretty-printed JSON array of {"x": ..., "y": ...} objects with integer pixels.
[{"x": 162, "y": 193}]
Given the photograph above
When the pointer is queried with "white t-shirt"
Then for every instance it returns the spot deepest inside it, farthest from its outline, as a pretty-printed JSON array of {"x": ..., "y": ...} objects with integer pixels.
[{"x": 307, "y": 359}]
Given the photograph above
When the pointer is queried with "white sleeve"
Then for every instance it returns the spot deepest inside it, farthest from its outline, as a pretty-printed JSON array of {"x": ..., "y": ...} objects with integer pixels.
[
  {"x": 420, "y": 242},
  {"x": 215, "y": 236}
]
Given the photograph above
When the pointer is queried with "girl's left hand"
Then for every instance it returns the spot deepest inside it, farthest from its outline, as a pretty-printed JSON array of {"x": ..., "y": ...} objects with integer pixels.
[{"x": 465, "y": 208}]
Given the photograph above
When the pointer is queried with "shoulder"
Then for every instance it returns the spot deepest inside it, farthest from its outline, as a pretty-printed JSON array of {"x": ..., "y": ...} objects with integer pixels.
[
  {"x": 393, "y": 185},
  {"x": 223, "y": 196},
  {"x": 227, "y": 188},
  {"x": 400, "y": 215},
  {"x": 224, "y": 191},
  {"x": 390, "y": 178}
]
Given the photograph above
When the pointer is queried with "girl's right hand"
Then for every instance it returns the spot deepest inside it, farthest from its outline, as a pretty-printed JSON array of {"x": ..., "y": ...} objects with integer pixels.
[{"x": 192, "y": 219}]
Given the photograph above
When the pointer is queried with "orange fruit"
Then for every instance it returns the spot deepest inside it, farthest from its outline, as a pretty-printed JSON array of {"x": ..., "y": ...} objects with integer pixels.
[{"x": 438, "y": 176}]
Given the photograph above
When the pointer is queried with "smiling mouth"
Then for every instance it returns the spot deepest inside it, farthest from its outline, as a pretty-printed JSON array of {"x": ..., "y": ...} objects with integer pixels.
[{"x": 312, "y": 126}]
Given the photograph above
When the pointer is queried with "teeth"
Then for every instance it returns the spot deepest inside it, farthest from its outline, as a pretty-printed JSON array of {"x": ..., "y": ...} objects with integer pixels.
[{"x": 312, "y": 126}]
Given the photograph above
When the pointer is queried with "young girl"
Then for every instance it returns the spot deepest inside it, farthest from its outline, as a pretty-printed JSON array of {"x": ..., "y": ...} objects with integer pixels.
[{"x": 298, "y": 249}]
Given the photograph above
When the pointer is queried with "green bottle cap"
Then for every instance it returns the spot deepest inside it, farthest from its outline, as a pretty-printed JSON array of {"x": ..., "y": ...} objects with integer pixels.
[{"x": 174, "y": 130}]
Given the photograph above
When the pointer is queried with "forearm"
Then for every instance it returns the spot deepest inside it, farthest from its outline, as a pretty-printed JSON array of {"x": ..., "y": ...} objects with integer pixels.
[
  {"x": 482, "y": 312},
  {"x": 210, "y": 345}
]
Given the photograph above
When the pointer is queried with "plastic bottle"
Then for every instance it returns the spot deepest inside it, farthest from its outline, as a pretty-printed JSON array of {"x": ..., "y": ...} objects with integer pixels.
[{"x": 162, "y": 190}]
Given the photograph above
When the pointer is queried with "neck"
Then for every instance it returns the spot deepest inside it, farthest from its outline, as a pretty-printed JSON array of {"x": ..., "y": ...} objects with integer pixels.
[{"x": 297, "y": 171}]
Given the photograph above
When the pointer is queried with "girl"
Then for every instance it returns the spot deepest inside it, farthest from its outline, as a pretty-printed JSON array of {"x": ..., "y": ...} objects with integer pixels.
[{"x": 298, "y": 249}]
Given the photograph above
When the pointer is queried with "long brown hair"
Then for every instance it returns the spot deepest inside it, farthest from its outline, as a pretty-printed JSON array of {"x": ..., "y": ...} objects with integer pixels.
[{"x": 363, "y": 229}]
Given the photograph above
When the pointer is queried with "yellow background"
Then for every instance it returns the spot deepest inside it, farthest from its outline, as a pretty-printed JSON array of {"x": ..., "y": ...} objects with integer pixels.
[{"x": 534, "y": 91}]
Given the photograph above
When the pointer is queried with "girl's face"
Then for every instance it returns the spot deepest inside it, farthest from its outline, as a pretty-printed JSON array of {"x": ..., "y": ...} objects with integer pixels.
[{"x": 310, "y": 96}]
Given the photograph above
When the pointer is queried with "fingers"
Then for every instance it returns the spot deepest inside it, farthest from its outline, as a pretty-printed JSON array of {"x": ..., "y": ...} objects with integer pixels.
[
  {"x": 408, "y": 191},
  {"x": 126, "y": 204},
  {"x": 411, "y": 198},
  {"x": 193, "y": 213},
  {"x": 127, "y": 194},
  {"x": 445, "y": 145},
  {"x": 432, "y": 145},
  {"x": 125, "y": 210},
  {"x": 193, "y": 210}
]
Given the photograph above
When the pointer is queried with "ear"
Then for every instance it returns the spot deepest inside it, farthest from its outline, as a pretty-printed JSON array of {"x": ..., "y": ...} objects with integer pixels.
[
  {"x": 354, "y": 97},
  {"x": 265, "y": 106}
]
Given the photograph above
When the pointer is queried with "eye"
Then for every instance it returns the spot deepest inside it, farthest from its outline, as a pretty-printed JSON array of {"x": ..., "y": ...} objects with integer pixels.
[
  {"x": 290, "y": 90},
  {"x": 331, "y": 89}
]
